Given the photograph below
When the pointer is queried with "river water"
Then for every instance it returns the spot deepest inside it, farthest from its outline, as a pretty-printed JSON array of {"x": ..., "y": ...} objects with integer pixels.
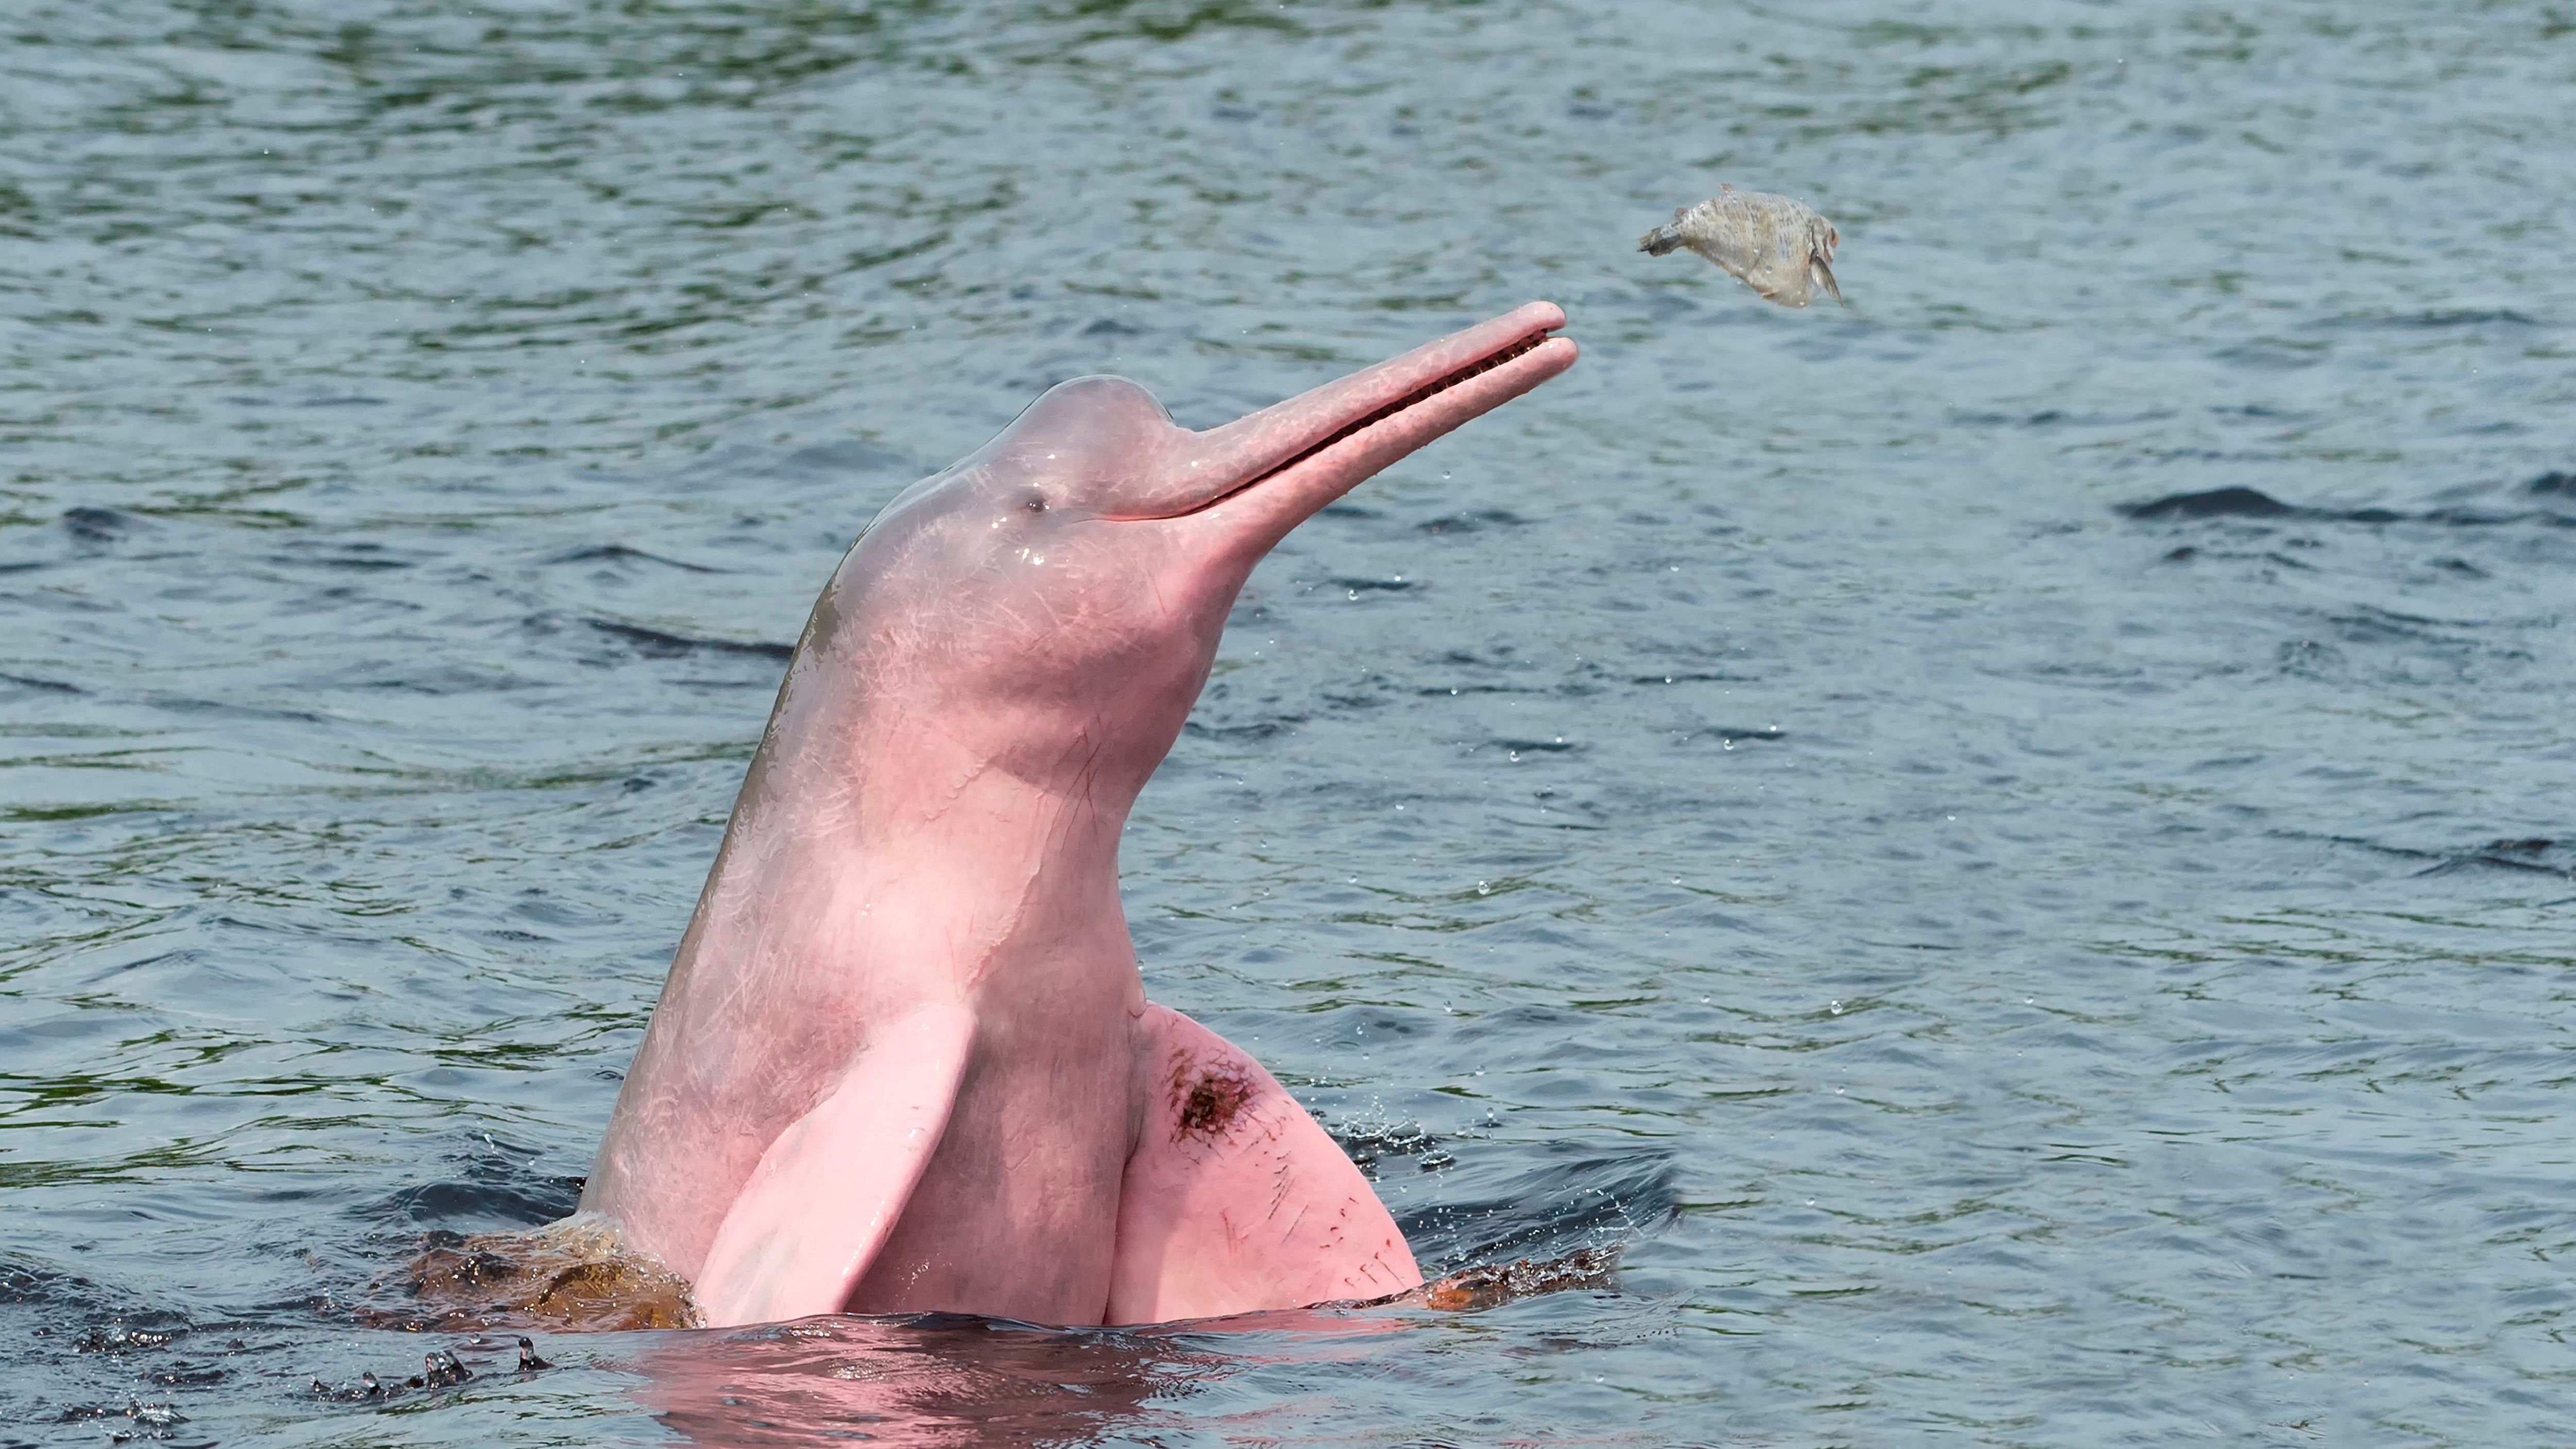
[{"x": 2013, "y": 967}]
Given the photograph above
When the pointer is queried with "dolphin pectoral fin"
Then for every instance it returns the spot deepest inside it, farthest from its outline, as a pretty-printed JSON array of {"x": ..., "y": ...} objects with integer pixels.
[
  {"x": 1234, "y": 1199},
  {"x": 830, "y": 1189}
]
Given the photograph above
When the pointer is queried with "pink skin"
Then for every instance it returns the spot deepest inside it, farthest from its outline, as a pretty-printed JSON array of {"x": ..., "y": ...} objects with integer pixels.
[{"x": 929, "y": 833}]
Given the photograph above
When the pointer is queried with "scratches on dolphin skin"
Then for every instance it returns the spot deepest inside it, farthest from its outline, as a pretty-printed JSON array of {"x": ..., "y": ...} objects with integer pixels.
[
  {"x": 962, "y": 781},
  {"x": 1280, "y": 1181},
  {"x": 1089, "y": 743}
]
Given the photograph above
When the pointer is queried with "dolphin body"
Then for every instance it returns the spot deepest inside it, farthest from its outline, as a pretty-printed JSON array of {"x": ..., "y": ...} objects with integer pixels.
[{"x": 904, "y": 1060}]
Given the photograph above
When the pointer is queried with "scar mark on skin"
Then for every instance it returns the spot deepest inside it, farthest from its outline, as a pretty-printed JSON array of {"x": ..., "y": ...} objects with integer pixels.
[{"x": 1206, "y": 1100}]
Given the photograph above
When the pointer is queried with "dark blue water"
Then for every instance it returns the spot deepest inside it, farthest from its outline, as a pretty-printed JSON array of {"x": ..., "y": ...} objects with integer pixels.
[{"x": 2014, "y": 966}]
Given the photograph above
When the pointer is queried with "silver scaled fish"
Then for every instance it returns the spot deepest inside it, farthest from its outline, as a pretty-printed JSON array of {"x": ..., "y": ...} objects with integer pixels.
[{"x": 1777, "y": 245}]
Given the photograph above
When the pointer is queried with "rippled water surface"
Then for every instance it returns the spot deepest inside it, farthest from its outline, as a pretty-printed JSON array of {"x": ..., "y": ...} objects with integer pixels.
[{"x": 2015, "y": 967}]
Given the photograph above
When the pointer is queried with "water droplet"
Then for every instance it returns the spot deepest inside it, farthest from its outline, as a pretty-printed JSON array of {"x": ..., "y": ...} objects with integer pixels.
[{"x": 1835, "y": 1007}]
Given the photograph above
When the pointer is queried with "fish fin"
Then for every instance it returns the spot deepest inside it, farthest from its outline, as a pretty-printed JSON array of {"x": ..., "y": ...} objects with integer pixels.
[
  {"x": 830, "y": 1189},
  {"x": 1235, "y": 1199},
  {"x": 1661, "y": 240},
  {"x": 1824, "y": 271}
]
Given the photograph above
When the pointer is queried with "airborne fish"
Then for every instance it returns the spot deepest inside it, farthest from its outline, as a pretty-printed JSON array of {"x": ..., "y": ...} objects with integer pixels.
[{"x": 1777, "y": 245}]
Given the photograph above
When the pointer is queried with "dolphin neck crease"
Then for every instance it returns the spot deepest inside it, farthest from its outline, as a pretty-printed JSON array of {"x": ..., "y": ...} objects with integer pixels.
[{"x": 916, "y": 854}]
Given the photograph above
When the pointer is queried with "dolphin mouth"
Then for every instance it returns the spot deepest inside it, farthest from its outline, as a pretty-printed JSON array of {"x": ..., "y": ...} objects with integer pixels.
[
  {"x": 1409, "y": 401},
  {"x": 1321, "y": 444}
]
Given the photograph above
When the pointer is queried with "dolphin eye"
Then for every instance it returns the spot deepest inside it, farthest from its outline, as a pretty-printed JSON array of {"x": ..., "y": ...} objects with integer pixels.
[{"x": 1037, "y": 503}]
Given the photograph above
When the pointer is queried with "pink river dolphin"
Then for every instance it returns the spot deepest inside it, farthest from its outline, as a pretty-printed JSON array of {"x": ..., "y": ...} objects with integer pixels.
[{"x": 904, "y": 1060}]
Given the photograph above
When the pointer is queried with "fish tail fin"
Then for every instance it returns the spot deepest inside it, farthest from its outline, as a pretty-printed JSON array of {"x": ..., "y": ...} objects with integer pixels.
[{"x": 1661, "y": 240}]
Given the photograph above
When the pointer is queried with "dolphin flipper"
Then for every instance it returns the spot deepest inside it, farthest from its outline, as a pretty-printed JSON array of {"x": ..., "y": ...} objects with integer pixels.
[
  {"x": 831, "y": 1187},
  {"x": 1235, "y": 1200}
]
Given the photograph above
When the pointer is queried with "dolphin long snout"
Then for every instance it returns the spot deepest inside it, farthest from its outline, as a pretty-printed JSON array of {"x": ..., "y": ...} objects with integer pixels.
[{"x": 1261, "y": 475}]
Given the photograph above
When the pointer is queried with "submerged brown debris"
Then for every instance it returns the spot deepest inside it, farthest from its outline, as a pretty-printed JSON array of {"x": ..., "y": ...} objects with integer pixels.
[
  {"x": 576, "y": 1276},
  {"x": 1479, "y": 1288},
  {"x": 572, "y": 1275},
  {"x": 1777, "y": 245}
]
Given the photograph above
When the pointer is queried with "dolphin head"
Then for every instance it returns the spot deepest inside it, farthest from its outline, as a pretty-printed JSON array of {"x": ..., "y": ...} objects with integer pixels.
[{"x": 1050, "y": 605}]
